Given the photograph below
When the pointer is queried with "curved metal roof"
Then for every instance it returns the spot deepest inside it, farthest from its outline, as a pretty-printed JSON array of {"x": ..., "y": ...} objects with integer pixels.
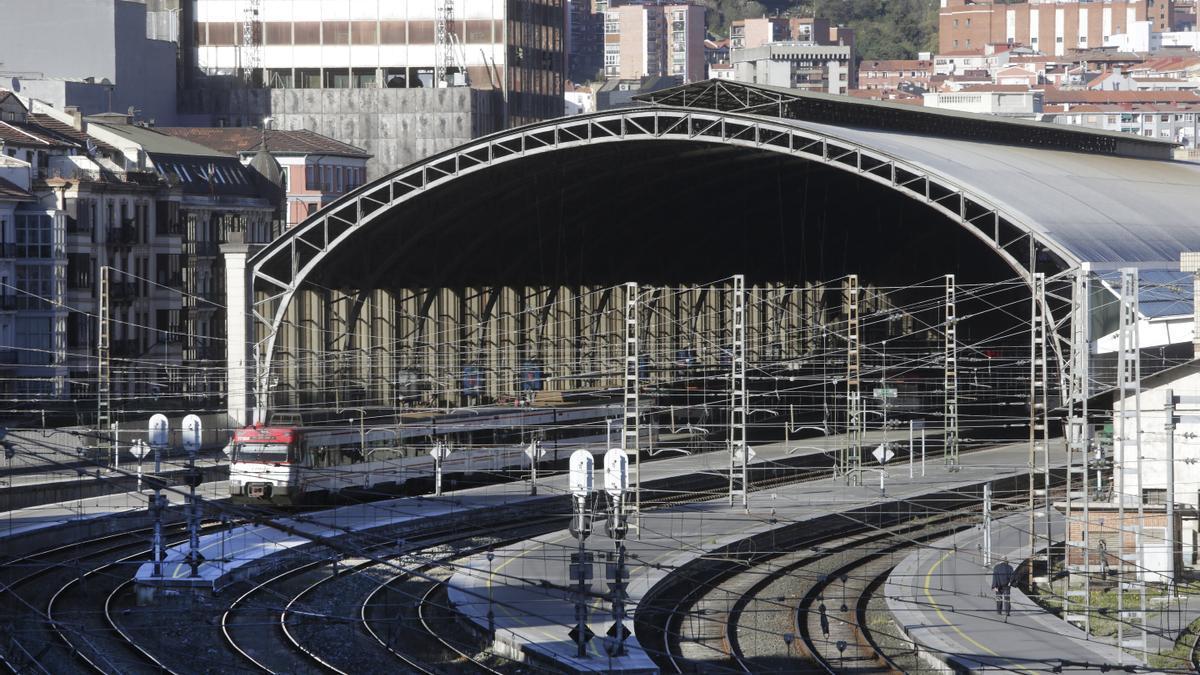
[{"x": 1098, "y": 208}]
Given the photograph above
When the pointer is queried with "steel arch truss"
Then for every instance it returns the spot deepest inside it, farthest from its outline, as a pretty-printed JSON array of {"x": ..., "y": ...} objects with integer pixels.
[{"x": 304, "y": 247}]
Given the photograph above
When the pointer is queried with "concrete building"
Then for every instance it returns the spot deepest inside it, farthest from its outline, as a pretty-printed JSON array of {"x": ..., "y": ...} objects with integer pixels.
[
  {"x": 316, "y": 169},
  {"x": 1177, "y": 122},
  {"x": 654, "y": 40},
  {"x": 746, "y": 33},
  {"x": 1184, "y": 383},
  {"x": 1049, "y": 26},
  {"x": 1003, "y": 100},
  {"x": 585, "y": 41},
  {"x": 803, "y": 66},
  {"x": 90, "y": 54},
  {"x": 1140, "y": 36},
  {"x": 888, "y": 75},
  {"x": 517, "y": 48}
]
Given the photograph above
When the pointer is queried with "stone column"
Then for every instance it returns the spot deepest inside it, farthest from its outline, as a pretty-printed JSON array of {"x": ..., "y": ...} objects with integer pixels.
[{"x": 239, "y": 350}]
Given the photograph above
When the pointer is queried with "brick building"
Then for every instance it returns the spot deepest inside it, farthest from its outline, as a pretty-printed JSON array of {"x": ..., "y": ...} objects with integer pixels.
[{"x": 1050, "y": 27}]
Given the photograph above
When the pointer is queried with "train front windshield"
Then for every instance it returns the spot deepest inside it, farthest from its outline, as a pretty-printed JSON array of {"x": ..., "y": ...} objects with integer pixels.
[{"x": 261, "y": 452}]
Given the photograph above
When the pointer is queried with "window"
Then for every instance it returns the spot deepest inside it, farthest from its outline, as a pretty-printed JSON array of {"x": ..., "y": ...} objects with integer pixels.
[
  {"x": 392, "y": 33},
  {"x": 310, "y": 177},
  {"x": 1154, "y": 496},
  {"x": 35, "y": 235},
  {"x": 37, "y": 282},
  {"x": 279, "y": 32},
  {"x": 364, "y": 32},
  {"x": 306, "y": 33},
  {"x": 968, "y": 23},
  {"x": 34, "y": 339},
  {"x": 336, "y": 33}
]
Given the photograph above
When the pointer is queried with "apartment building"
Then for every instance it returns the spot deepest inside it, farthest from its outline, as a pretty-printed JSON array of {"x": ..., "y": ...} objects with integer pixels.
[
  {"x": 746, "y": 33},
  {"x": 315, "y": 169},
  {"x": 149, "y": 208},
  {"x": 654, "y": 40},
  {"x": 818, "y": 68},
  {"x": 1177, "y": 122},
  {"x": 1049, "y": 26},
  {"x": 891, "y": 75}
]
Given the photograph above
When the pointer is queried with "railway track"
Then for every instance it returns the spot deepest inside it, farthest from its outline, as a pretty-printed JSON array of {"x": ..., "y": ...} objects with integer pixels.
[
  {"x": 43, "y": 638},
  {"x": 733, "y": 620},
  {"x": 304, "y": 620}
]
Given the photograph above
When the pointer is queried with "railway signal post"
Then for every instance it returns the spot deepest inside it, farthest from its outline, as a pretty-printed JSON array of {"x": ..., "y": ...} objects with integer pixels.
[
  {"x": 616, "y": 484},
  {"x": 192, "y": 435},
  {"x": 439, "y": 452},
  {"x": 158, "y": 435},
  {"x": 580, "y": 485}
]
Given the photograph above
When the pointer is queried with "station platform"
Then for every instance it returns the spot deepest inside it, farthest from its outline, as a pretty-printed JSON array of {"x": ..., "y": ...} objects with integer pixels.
[
  {"x": 60, "y": 484},
  {"x": 250, "y": 549},
  {"x": 941, "y": 597},
  {"x": 527, "y": 590},
  {"x": 24, "y": 521}
]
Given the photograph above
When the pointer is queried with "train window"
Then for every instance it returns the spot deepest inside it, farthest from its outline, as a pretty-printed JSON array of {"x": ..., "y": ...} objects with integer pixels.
[{"x": 261, "y": 452}]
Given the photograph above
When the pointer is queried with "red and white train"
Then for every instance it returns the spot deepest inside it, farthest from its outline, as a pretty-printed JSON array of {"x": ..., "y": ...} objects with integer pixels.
[{"x": 293, "y": 464}]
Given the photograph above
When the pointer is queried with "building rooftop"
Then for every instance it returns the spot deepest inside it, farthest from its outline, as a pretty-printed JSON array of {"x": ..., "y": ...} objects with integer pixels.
[
  {"x": 895, "y": 64},
  {"x": 9, "y": 191},
  {"x": 23, "y": 133},
  {"x": 238, "y": 140},
  {"x": 154, "y": 141},
  {"x": 897, "y": 117},
  {"x": 1055, "y": 95}
]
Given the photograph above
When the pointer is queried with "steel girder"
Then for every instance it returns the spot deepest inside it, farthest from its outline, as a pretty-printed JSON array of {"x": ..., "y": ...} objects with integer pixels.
[{"x": 305, "y": 246}]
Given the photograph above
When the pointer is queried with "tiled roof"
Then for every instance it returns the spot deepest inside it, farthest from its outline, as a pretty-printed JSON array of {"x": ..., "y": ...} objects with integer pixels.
[
  {"x": 896, "y": 64},
  {"x": 1076, "y": 96},
  {"x": 9, "y": 190},
  {"x": 67, "y": 131},
  {"x": 20, "y": 133},
  {"x": 235, "y": 140},
  {"x": 996, "y": 87}
]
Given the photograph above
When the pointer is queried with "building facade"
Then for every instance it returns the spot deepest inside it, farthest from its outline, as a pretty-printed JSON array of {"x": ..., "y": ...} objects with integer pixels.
[
  {"x": 1049, "y": 26},
  {"x": 315, "y": 169},
  {"x": 819, "y": 68},
  {"x": 517, "y": 47},
  {"x": 654, "y": 40},
  {"x": 141, "y": 209}
]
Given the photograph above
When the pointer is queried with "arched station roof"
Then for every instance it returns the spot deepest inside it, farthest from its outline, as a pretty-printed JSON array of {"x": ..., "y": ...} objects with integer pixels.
[{"x": 1041, "y": 197}]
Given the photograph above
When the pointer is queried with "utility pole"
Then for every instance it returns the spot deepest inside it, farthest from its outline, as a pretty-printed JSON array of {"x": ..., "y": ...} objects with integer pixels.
[
  {"x": 1130, "y": 624},
  {"x": 950, "y": 377},
  {"x": 630, "y": 420},
  {"x": 104, "y": 364},
  {"x": 739, "y": 448},
  {"x": 851, "y": 453},
  {"x": 1078, "y": 442},
  {"x": 1169, "y": 427}
]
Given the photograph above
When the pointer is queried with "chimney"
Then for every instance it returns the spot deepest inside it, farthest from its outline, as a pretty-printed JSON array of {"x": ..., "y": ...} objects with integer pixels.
[{"x": 76, "y": 117}]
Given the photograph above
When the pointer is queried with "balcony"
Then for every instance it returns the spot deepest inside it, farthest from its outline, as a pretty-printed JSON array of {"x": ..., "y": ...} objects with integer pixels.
[
  {"x": 77, "y": 226},
  {"x": 125, "y": 348},
  {"x": 8, "y": 250},
  {"x": 121, "y": 235},
  {"x": 200, "y": 248},
  {"x": 123, "y": 291}
]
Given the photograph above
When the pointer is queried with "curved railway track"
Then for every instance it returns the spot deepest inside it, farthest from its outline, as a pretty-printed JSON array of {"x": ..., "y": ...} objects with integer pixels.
[{"x": 47, "y": 639}]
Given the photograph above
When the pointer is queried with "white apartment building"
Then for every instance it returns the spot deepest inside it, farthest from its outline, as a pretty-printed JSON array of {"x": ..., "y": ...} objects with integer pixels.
[{"x": 1169, "y": 122}]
